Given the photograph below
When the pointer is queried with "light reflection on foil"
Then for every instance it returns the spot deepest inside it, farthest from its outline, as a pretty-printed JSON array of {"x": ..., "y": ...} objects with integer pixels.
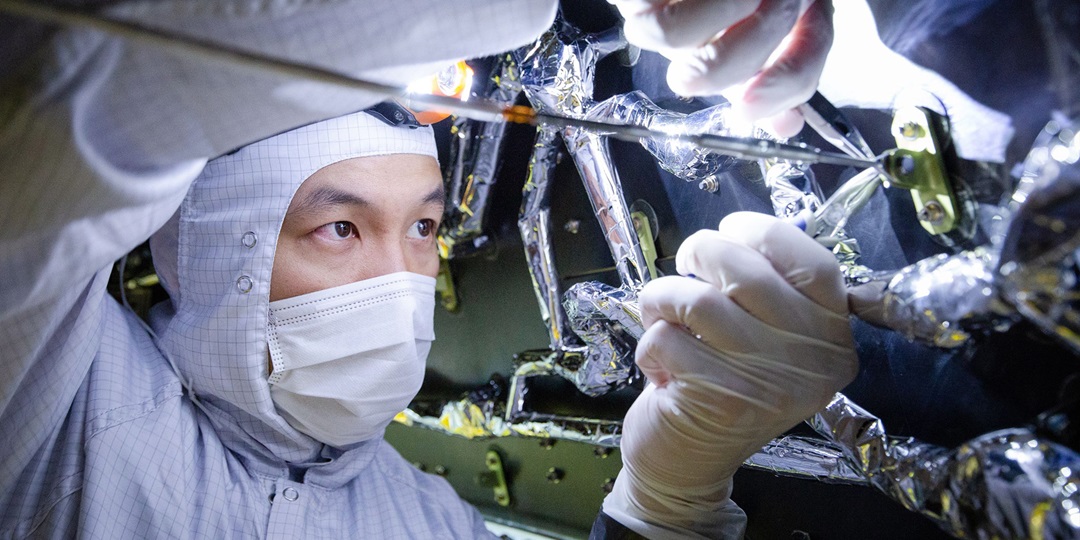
[
  {"x": 1005, "y": 484},
  {"x": 557, "y": 75},
  {"x": 943, "y": 299},
  {"x": 608, "y": 320},
  {"x": 1038, "y": 271},
  {"x": 470, "y": 173},
  {"x": 792, "y": 189},
  {"x": 686, "y": 161},
  {"x": 534, "y": 224}
]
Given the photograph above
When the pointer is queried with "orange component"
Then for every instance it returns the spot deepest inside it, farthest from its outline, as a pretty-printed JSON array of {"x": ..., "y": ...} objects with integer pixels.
[{"x": 454, "y": 81}]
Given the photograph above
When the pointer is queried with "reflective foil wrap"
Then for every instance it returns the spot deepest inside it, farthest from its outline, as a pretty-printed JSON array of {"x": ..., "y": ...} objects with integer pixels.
[
  {"x": 470, "y": 173},
  {"x": 686, "y": 161},
  {"x": 805, "y": 457},
  {"x": 792, "y": 189},
  {"x": 557, "y": 71},
  {"x": 593, "y": 160},
  {"x": 503, "y": 409},
  {"x": 832, "y": 216},
  {"x": 608, "y": 320},
  {"x": 534, "y": 224},
  {"x": 941, "y": 300},
  {"x": 557, "y": 76},
  {"x": 1038, "y": 272},
  {"x": 1005, "y": 484}
]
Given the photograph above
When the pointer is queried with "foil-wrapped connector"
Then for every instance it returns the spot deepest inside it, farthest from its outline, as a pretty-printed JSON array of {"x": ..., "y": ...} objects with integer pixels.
[
  {"x": 608, "y": 321},
  {"x": 942, "y": 300},
  {"x": 1004, "y": 484}
]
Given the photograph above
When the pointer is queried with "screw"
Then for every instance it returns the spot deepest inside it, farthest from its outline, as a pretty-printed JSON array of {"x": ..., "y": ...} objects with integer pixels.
[
  {"x": 440, "y": 470},
  {"x": 911, "y": 131},
  {"x": 547, "y": 443},
  {"x": 419, "y": 466},
  {"x": 710, "y": 184},
  {"x": 601, "y": 452},
  {"x": 932, "y": 213},
  {"x": 554, "y": 475}
]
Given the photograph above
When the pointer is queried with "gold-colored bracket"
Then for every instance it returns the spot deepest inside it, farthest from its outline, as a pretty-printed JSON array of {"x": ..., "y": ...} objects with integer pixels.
[
  {"x": 495, "y": 478},
  {"x": 918, "y": 164},
  {"x": 646, "y": 239},
  {"x": 444, "y": 287}
]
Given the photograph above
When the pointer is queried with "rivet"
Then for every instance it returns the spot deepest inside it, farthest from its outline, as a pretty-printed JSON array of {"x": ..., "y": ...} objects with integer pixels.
[
  {"x": 710, "y": 184},
  {"x": 290, "y": 494},
  {"x": 440, "y": 470},
  {"x": 244, "y": 284},
  {"x": 554, "y": 475},
  {"x": 249, "y": 239}
]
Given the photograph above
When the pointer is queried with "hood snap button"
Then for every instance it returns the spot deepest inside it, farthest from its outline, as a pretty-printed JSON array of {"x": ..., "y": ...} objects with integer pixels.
[
  {"x": 244, "y": 284},
  {"x": 249, "y": 239},
  {"x": 290, "y": 494}
]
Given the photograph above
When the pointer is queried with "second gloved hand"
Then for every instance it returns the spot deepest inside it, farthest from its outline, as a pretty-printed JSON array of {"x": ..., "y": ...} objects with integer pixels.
[
  {"x": 757, "y": 343},
  {"x": 765, "y": 56}
]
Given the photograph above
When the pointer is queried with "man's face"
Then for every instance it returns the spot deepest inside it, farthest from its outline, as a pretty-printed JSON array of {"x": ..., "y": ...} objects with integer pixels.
[{"x": 358, "y": 219}]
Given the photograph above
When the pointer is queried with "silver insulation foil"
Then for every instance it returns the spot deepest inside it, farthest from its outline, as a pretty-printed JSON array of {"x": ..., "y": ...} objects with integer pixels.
[
  {"x": 556, "y": 74},
  {"x": 1005, "y": 484},
  {"x": 534, "y": 224},
  {"x": 942, "y": 300},
  {"x": 792, "y": 189},
  {"x": 685, "y": 161},
  {"x": 608, "y": 320},
  {"x": 593, "y": 161},
  {"x": 1037, "y": 271},
  {"x": 470, "y": 173}
]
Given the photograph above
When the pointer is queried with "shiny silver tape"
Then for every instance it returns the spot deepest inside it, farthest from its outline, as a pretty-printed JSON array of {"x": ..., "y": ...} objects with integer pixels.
[
  {"x": 943, "y": 299},
  {"x": 593, "y": 161},
  {"x": 475, "y": 148},
  {"x": 608, "y": 321},
  {"x": 792, "y": 189},
  {"x": 534, "y": 224},
  {"x": 1005, "y": 484},
  {"x": 557, "y": 70},
  {"x": 1038, "y": 272}
]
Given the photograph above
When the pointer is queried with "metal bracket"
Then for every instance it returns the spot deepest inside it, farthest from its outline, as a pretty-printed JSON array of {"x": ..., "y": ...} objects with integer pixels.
[
  {"x": 444, "y": 286},
  {"x": 918, "y": 164},
  {"x": 644, "y": 219},
  {"x": 495, "y": 478}
]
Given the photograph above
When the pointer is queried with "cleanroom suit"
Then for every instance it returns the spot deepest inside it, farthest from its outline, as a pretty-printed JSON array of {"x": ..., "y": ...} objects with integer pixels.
[{"x": 101, "y": 141}]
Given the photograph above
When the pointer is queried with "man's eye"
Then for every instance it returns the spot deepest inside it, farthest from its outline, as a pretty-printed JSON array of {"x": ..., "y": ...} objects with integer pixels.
[
  {"x": 423, "y": 228},
  {"x": 338, "y": 230}
]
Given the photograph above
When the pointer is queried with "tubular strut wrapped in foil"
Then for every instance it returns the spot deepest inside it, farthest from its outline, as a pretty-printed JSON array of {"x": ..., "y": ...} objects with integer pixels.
[
  {"x": 557, "y": 76},
  {"x": 470, "y": 173},
  {"x": 1005, "y": 484}
]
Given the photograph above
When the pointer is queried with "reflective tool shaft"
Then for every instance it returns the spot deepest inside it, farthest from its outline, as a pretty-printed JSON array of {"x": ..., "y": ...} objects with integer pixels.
[{"x": 482, "y": 110}]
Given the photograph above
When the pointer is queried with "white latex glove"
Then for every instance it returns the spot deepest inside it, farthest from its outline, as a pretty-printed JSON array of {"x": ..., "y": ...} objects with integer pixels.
[
  {"x": 765, "y": 56},
  {"x": 758, "y": 342}
]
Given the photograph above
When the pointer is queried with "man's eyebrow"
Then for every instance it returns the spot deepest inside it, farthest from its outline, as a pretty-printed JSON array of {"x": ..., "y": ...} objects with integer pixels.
[
  {"x": 436, "y": 196},
  {"x": 324, "y": 197}
]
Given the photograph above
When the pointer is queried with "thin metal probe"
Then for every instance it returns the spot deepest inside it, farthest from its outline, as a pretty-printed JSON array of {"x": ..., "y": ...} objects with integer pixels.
[{"x": 482, "y": 110}]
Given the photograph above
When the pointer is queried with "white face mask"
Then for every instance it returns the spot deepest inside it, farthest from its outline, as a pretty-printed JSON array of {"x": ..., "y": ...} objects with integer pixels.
[{"x": 347, "y": 359}]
